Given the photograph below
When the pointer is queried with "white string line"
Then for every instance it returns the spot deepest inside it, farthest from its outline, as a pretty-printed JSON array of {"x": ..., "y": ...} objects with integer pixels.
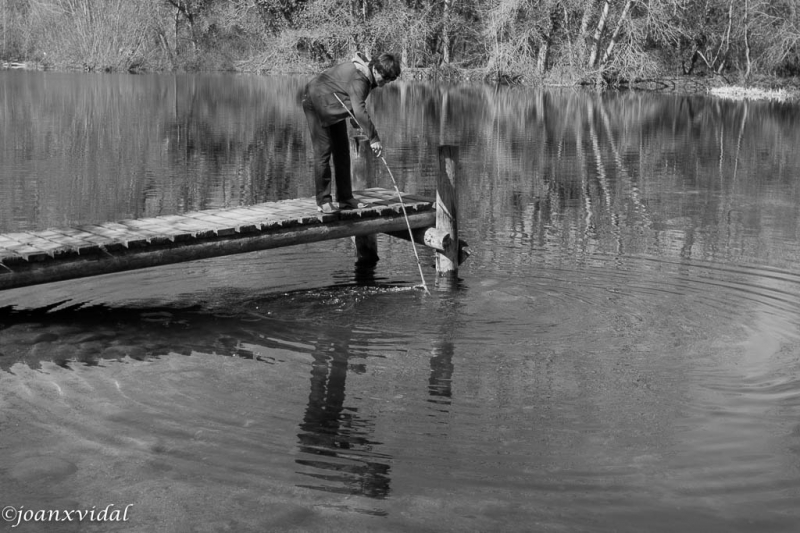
[{"x": 399, "y": 197}]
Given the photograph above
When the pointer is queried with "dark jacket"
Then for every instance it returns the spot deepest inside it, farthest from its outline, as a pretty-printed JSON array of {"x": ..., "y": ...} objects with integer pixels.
[{"x": 352, "y": 82}]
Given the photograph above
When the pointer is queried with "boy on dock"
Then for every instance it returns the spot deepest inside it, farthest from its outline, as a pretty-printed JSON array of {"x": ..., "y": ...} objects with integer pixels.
[{"x": 328, "y": 100}]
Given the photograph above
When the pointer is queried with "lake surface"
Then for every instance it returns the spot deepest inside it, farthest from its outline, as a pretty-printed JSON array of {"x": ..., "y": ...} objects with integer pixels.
[{"x": 620, "y": 353}]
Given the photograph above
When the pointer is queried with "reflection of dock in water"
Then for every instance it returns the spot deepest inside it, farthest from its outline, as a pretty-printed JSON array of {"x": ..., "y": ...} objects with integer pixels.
[{"x": 30, "y": 258}]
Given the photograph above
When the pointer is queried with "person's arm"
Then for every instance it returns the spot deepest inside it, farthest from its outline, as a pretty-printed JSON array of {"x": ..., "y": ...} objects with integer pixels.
[{"x": 358, "y": 92}]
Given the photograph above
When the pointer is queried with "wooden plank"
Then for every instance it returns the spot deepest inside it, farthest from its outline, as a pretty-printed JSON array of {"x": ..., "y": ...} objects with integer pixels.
[
  {"x": 108, "y": 237},
  {"x": 8, "y": 242},
  {"x": 157, "y": 233},
  {"x": 30, "y": 246},
  {"x": 8, "y": 257},
  {"x": 96, "y": 235},
  {"x": 220, "y": 226},
  {"x": 43, "y": 244},
  {"x": 70, "y": 240},
  {"x": 12, "y": 245},
  {"x": 133, "y": 238}
]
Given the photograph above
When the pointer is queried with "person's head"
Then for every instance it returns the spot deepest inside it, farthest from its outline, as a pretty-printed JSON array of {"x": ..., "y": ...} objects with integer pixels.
[{"x": 385, "y": 68}]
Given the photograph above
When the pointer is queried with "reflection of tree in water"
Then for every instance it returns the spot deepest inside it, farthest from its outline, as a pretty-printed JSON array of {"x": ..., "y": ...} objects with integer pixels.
[
  {"x": 334, "y": 434},
  {"x": 233, "y": 142}
]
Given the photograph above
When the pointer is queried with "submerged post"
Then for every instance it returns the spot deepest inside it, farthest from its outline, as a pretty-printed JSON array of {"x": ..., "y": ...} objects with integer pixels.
[
  {"x": 360, "y": 173},
  {"x": 447, "y": 209}
]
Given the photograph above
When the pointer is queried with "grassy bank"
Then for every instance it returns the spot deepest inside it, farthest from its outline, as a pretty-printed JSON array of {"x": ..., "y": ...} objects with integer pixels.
[{"x": 762, "y": 88}]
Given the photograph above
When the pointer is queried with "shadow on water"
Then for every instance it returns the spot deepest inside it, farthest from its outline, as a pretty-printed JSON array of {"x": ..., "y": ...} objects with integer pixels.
[{"x": 67, "y": 333}]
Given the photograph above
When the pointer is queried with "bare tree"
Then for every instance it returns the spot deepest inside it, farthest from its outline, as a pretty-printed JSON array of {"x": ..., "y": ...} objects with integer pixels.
[
  {"x": 97, "y": 36},
  {"x": 448, "y": 6},
  {"x": 511, "y": 39},
  {"x": 188, "y": 10},
  {"x": 612, "y": 42}
]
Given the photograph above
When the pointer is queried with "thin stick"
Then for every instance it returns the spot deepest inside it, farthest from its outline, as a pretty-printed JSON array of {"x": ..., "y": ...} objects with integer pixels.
[
  {"x": 399, "y": 197},
  {"x": 408, "y": 225}
]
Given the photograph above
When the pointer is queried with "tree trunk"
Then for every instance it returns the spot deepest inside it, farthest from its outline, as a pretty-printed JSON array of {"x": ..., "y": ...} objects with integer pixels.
[
  {"x": 446, "y": 32},
  {"x": 598, "y": 34},
  {"x": 189, "y": 14},
  {"x": 547, "y": 41},
  {"x": 185, "y": 8},
  {"x": 615, "y": 35},
  {"x": 726, "y": 44},
  {"x": 357, "y": 16},
  {"x": 583, "y": 37},
  {"x": 177, "y": 19},
  {"x": 541, "y": 59},
  {"x": 165, "y": 45},
  {"x": 748, "y": 63}
]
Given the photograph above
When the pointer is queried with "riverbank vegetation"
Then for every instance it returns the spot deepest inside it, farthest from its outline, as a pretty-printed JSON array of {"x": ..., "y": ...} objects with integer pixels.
[{"x": 561, "y": 42}]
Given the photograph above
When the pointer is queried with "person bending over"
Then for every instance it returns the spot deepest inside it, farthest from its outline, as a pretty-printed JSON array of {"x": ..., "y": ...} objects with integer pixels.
[{"x": 328, "y": 100}]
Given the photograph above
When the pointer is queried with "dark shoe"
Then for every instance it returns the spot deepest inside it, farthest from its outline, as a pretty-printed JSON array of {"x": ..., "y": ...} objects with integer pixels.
[
  {"x": 352, "y": 203},
  {"x": 327, "y": 208}
]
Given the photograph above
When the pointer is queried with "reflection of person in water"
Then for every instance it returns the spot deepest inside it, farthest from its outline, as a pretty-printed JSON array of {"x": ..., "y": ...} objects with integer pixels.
[{"x": 331, "y": 430}]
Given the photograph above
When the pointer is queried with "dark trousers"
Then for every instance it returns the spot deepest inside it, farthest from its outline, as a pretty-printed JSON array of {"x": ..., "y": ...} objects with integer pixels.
[{"x": 327, "y": 141}]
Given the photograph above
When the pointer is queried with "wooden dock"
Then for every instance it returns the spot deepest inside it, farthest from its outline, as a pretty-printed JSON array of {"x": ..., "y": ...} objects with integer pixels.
[{"x": 30, "y": 258}]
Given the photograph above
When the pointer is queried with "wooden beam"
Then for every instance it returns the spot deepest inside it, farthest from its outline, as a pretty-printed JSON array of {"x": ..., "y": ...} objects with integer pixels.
[
  {"x": 431, "y": 237},
  {"x": 434, "y": 238},
  {"x": 105, "y": 262}
]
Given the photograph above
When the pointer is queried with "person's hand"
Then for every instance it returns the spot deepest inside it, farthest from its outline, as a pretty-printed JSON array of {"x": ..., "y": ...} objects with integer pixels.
[{"x": 377, "y": 148}]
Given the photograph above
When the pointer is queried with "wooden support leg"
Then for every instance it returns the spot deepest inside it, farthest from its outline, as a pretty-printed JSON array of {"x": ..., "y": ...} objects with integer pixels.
[
  {"x": 360, "y": 172},
  {"x": 447, "y": 209},
  {"x": 366, "y": 249}
]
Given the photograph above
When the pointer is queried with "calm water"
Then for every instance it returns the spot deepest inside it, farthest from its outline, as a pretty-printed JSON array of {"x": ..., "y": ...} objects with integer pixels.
[{"x": 621, "y": 352}]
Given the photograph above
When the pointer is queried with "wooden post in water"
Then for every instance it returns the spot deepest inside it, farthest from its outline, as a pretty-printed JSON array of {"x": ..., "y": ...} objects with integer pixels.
[
  {"x": 360, "y": 174},
  {"x": 447, "y": 210}
]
